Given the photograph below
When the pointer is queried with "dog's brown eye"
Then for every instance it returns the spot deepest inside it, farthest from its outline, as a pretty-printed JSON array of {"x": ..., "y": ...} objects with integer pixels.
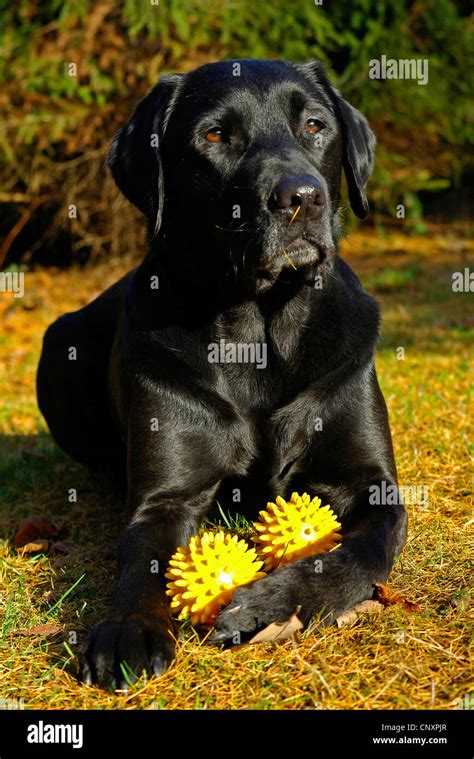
[
  {"x": 214, "y": 135},
  {"x": 313, "y": 126}
]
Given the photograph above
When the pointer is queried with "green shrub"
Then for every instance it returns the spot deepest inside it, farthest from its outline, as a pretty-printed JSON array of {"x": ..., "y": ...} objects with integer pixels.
[{"x": 56, "y": 127}]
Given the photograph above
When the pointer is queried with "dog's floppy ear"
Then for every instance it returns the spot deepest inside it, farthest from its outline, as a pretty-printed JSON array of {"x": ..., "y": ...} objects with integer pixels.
[
  {"x": 134, "y": 155},
  {"x": 358, "y": 151},
  {"x": 358, "y": 140}
]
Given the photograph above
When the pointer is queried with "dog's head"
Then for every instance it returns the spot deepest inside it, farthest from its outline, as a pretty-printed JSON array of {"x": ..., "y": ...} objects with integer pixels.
[{"x": 238, "y": 166}]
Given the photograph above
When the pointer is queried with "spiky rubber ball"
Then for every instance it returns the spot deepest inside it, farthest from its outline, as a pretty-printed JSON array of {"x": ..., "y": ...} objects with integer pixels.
[
  {"x": 291, "y": 530},
  {"x": 204, "y": 575}
]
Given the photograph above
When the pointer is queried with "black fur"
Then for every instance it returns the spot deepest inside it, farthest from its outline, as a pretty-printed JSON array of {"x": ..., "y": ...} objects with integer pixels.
[{"x": 143, "y": 352}]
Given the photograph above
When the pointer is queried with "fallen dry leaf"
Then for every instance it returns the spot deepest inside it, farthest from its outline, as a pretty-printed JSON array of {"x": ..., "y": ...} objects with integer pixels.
[
  {"x": 33, "y": 528},
  {"x": 351, "y": 616},
  {"x": 461, "y": 602},
  {"x": 65, "y": 552},
  {"x": 38, "y": 546},
  {"x": 388, "y": 597},
  {"x": 348, "y": 617},
  {"x": 50, "y": 596},
  {"x": 63, "y": 547},
  {"x": 278, "y": 630},
  {"x": 40, "y": 630},
  {"x": 61, "y": 562}
]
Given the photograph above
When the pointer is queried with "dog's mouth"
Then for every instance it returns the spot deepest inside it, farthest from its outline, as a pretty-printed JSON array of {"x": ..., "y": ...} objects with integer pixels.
[
  {"x": 298, "y": 253},
  {"x": 273, "y": 252}
]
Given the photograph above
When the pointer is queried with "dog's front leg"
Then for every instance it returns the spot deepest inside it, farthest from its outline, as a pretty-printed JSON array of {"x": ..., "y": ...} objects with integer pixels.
[
  {"x": 175, "y": 465},
  {"x": 324, "y": 585},
  {"x": 138, "y": 633}
]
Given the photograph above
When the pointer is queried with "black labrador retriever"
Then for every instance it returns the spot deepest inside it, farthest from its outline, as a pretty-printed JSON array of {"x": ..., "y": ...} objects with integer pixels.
[{"x": 236, "y": 363}]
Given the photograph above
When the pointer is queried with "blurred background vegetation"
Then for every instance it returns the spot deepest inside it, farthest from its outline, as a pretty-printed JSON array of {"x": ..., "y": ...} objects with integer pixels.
[{"x": 55, "y": 128}]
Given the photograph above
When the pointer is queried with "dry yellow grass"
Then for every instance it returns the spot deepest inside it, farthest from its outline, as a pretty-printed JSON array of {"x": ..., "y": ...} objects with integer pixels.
[{"x": 396, "y": 660}]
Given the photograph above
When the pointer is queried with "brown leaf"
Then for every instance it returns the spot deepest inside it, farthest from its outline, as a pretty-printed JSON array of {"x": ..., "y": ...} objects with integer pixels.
[
  {"x": 63, "y": 547},
  {"x": 33, "y": 528},
  {"x": 278, "y": 630},
  {"x": 39, "y": 546},
  {"x": 40, "y": 630},
  {"x": 348, "y": 617},
  {"x": 388, "y": 597},
  {"x": 461, "y": 601},
  {"x": 351, "y": 616},
  {"x": 61, "y": 562}
]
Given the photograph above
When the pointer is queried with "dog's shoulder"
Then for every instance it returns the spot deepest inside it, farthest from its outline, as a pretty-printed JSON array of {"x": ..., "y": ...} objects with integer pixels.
[
  {"x": 356, "y": 301},
  {"x": 350, "y": 315}
]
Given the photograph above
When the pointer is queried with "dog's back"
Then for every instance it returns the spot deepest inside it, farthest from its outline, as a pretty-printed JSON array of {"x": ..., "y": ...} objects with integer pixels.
[{"x": 72, "y": 382}]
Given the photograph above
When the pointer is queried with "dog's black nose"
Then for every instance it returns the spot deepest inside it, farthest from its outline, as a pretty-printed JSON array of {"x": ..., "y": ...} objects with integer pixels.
[{"x": 305, "y": 192}]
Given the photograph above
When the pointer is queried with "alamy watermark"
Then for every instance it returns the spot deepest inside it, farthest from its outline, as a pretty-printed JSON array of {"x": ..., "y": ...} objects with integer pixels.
[
  {"x": 238, "y": 353},
  {"x": 13, "y": 282},
  {"x": 463, "y": 281},
  {"x": 403, "y": 68},
  {"x": 43, "y": 732},
  {"x": 466, "y": 702},
  {"x": 12, "y": 703},
  {"x": 386, "y": 494}
]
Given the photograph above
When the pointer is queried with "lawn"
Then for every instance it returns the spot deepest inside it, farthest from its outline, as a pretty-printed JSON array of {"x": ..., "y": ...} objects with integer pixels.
[{"x": 394, "y": 660}]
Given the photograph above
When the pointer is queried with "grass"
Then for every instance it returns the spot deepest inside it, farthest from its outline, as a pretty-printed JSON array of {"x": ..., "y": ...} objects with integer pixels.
[{"x": 396, "y": 660}]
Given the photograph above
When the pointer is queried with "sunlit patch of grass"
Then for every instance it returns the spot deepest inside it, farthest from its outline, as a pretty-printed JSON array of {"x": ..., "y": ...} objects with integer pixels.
[{"x": 229, "y": 522}]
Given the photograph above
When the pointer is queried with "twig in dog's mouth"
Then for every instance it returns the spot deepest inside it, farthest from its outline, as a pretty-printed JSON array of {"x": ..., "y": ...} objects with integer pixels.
[{"x": 298, "y": 209}]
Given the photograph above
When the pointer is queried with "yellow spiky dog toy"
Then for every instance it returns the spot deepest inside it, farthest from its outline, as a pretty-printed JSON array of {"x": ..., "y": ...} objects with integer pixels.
[
  {"x": 294, "y": 529},
  {"x": 204, "y": 575}
]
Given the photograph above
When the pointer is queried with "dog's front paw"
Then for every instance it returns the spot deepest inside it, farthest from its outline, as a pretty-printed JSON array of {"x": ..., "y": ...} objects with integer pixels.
[
  {"x": 119, "y": 649},
  {"x": 272, "y": 599}
]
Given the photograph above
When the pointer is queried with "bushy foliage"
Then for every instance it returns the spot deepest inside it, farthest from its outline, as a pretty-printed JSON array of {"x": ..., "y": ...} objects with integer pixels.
[{"x": 56, "y": 127}]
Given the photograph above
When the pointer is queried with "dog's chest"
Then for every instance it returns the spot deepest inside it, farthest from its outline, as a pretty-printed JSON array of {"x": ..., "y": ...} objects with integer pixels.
[{"x": 258, "y": 360}]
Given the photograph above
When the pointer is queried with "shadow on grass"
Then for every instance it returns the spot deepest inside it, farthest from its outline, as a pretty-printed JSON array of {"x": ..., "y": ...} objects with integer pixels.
[
  {"x": 35, "y": 474},
  {"x": 37, "y": 478}
]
